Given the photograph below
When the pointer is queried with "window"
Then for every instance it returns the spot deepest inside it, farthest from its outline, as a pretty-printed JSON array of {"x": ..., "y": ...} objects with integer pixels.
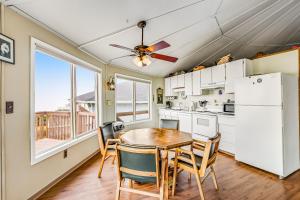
[
  {"x": 85, "y": 100},
  {"x": 52, "y": 112},
  {"x": 65, "y": 106},
  {"x": 132, "y": 99}
]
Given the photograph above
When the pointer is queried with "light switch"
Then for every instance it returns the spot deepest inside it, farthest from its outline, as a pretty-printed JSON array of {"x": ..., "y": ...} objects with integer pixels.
[
  {"x": 9, "y": 107},
  {"x": 108, "y": 102}
]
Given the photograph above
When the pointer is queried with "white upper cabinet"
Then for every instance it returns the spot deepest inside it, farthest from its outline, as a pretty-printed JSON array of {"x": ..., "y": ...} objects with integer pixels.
[
  {"x": 168, "y": 90},
  {"x": 188, "y": 85},
  {"x": 196, "y": 82},
  {"x": 218, "y": 74},
  {"x": 224, "y": 75},
  {"x": 180, "y": 81},
  {"x": 206, "y": 78},
  {"x": 236, "y": 70},
  {"x": 173, "y": 82},
  {"x": 213, "y": 76}
]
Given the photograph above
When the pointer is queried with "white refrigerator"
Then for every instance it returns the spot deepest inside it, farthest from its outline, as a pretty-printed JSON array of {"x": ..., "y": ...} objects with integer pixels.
[{"x": 267, "y": 118}]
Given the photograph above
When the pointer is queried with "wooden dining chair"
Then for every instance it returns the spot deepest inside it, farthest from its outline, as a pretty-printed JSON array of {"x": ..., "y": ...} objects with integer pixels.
[
  {"x": 140, "y": 164},
  {"x": 198, "y": 165},
  {"x": 169, "y": 123},
  {"x": 107, "y": 144}
]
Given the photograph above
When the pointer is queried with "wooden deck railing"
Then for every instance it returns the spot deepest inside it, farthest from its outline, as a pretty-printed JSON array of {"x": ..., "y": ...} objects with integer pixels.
[
  {"x": 57, "y": 125},
  {"x": 85, "y": 121}
]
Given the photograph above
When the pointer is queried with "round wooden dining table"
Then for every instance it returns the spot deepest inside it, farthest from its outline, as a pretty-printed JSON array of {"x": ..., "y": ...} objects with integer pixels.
[{"x": 164, "y": 140}]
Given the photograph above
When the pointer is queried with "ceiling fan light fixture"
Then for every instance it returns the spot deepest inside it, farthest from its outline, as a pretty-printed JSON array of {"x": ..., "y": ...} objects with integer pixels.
[{"x": 142, "y": 61}]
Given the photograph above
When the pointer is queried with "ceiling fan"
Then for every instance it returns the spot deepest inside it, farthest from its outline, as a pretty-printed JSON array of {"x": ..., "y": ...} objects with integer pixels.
[{"x": 142, "y": 53}]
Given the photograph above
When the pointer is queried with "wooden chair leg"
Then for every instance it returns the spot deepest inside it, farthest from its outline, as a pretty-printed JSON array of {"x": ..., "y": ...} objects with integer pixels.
[
  {"x": 190, "y": 177},
  {"x": 174, "y": 177},
  {"x": 101, "y": 164},
  {"x": 130, "y": 183},
  {"x": 118, "y": 190},
  {"x": 213, "y": 173},
  {"x": 163, "y": 174},
  {"x": 199, "y": 185},
  {"x": 113, "y": 161}
]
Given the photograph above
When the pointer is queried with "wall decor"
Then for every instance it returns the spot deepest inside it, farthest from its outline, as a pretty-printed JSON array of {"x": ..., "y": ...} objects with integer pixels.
[
  {"x": 7, "y": 49},
  {"x": 111, "y": 83},
  {"x": 160, "y": 93}
]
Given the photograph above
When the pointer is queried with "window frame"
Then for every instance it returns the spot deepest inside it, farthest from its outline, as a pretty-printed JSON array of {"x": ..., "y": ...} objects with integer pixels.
[
  {"x": 75, "y": 101},
  {"x": 37, "y": 45},
  {"x": 135, "y": 79}
]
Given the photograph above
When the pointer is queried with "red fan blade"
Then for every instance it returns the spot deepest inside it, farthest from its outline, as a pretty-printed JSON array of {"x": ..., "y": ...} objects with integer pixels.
[
  {"x": 163, "y": 57},
  {"x": 158, "y": 46},
  {"x": 122, "y": 47}
]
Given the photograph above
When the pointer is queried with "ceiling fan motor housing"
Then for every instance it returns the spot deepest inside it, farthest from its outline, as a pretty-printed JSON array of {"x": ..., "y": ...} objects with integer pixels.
[
  {"x": 142, "y": 24},
  {"x": 141, "y": 49}
]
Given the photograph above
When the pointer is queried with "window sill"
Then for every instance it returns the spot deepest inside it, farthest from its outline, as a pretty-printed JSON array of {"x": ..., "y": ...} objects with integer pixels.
[
  {"x": 138, "y": 122},
  {"x": 56, "y": 150}
]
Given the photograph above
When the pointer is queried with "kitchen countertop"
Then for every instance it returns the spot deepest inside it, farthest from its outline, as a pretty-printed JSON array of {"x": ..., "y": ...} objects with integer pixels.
[{"x": 200, "y": 112}]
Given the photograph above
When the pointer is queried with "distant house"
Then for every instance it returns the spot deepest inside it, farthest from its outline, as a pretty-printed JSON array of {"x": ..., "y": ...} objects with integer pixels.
[{"x": 86, "y": 102}]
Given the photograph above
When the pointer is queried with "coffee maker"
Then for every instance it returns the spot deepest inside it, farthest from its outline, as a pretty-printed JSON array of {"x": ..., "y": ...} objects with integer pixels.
[{"x": 169, "y": 104}]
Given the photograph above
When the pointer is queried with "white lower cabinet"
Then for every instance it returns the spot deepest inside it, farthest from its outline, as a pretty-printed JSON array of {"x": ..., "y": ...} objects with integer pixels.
[
  {"x": 226, "y": 126},
  {"x": 185, "y": 122}
]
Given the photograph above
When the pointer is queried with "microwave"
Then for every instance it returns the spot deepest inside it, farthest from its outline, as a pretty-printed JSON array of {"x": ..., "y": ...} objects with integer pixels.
[{"x": 228, "y": 107}]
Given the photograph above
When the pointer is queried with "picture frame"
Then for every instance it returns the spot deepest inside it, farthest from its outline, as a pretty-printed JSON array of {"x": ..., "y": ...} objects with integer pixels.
[
  {"x": 160, "y": 93},
  {"x": 7, "y": 49}
]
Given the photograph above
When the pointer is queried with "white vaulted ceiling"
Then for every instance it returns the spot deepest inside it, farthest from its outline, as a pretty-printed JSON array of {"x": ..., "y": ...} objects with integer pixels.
[{"x": 199, "y": 32}]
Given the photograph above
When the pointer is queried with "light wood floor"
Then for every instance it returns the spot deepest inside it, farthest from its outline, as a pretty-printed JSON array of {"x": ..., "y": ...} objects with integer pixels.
[{"x": 237, "y": 181}]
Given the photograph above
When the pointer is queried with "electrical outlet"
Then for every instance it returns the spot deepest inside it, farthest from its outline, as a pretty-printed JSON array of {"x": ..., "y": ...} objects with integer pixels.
[{"x": 66, "y": 153}]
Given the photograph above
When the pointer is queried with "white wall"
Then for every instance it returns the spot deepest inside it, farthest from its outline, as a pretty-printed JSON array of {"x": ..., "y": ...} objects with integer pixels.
[{"x": 21, "y": 179}]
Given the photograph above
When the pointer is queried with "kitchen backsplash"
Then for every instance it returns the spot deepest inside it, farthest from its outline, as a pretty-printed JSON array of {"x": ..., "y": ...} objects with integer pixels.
[{"x": 213, "y": 96}]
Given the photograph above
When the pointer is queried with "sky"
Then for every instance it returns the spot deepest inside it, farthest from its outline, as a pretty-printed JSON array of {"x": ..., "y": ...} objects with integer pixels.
[{"x": 53, "y": 82}]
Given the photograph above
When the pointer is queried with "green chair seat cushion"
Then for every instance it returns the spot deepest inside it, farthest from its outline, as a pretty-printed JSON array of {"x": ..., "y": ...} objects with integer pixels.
[{"x": 197, "y": 157}]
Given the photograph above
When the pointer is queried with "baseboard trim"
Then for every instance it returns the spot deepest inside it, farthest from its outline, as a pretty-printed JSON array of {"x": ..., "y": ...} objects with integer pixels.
[
  {"x": 53, "y": 183},
  {"x": 227, "y": 153}
]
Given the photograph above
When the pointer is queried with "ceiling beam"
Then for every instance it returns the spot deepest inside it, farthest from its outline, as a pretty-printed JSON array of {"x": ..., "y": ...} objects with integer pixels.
[
  {"x": 284, "y": 14},
  {"x": 243, "y": 44},
  {"x": 255, "y": 7},
  {"x": 14, "y": 2},
  {"x": 134, "y": 25},
  {"x": 21, "y": 12}
]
